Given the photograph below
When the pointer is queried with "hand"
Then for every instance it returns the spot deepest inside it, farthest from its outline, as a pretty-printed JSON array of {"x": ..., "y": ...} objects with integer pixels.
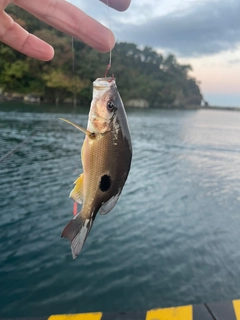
[{"x": 61, "y": 15}]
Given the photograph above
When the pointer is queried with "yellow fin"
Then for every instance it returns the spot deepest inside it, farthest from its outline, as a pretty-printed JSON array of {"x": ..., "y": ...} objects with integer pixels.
[
  {"x": 88, "y": 133},
  {"x": 77, "y": 192}
]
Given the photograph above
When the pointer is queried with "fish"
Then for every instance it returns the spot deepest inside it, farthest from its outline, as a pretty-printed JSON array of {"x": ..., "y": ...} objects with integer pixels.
[{"x": 106, "y": 156}]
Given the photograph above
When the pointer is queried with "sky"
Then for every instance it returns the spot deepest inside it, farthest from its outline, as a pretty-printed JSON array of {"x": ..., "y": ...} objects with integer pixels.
[{"x": 202, "y": 33}]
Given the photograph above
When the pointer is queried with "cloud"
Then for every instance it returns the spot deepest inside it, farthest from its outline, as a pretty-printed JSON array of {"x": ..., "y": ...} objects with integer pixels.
[
  {"x": 234, "y": 61},
  {"x": 202, "y": 29}
]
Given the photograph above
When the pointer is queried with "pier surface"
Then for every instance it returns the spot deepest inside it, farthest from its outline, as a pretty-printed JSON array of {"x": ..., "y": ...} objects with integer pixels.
[{"x": 229, "y": 310}]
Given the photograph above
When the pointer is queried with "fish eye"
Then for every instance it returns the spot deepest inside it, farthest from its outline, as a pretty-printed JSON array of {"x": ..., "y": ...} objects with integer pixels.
[{"x": 110, "y": 105}]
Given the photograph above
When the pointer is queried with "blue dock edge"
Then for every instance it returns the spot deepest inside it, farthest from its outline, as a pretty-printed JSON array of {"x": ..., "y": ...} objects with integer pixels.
[{"x": 229, "y": 310}]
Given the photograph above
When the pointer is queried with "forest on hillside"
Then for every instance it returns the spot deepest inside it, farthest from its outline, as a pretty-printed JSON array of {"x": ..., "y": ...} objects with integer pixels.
[{"x": 140, "y": 73}]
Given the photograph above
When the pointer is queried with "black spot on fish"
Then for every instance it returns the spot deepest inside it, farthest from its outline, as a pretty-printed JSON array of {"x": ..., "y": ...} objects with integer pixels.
[{"x": 105, "y": 183}]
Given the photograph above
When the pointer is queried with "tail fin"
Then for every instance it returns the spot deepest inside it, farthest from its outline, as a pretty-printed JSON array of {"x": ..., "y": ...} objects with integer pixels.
[{"x": 77, "y": 231}]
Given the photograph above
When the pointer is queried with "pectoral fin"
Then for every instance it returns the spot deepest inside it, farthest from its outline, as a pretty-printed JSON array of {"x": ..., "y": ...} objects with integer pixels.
[
  {"x": 88, "y": 133},
  {"x": 77, "y": 192},
  {"x": 108, "y": 206}
]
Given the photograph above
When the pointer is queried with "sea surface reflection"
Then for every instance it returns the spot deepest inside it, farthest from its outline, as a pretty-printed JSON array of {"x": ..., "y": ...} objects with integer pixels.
[{"x": 172, "y": 239}]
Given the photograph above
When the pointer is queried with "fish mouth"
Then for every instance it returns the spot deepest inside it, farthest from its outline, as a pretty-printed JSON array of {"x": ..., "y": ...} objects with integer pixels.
[
  {"x": 104, "y": 83},
  {"x": 103, "y": 86}
]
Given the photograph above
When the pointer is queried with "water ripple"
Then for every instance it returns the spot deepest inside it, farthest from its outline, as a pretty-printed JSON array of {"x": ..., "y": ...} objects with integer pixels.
[{"x": 172, "y": 239}]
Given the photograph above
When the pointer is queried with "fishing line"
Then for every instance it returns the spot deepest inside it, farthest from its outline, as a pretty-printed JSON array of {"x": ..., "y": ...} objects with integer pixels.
[
  {"x": 18, "y": 146},
  {"x": 74, "y": 75},
  {"x": 11, "y": 152},
  {"x": 74, "y": 98},
  {"x": 110, "y": 53}
]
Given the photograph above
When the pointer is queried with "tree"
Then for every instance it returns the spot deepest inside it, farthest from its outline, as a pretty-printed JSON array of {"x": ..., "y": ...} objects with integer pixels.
[{"x": 140, "y": 73}]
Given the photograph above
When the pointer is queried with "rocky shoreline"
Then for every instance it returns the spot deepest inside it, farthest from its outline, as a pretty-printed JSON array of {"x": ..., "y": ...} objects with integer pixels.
[{"x": 133, "y": 103}]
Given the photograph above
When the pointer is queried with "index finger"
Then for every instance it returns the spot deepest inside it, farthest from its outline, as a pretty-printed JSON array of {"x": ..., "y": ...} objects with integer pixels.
[
  {"x": 67, "y": 18},
  {"x": 121, "y": 5}
]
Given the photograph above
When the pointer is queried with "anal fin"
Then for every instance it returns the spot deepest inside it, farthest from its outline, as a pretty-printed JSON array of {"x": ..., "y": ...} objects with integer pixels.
[{"x": 77, "y": 192}]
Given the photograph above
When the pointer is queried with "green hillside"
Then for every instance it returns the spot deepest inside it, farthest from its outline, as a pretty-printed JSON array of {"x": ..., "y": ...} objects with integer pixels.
[{"x": 140, "y": 73}]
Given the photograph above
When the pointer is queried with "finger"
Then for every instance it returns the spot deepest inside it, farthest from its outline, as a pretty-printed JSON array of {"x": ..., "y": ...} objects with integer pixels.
[
  {"x": 120, "y": 5},
  {"x": 15, "y": 36},
  {"x": 67, "y": 18}
]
